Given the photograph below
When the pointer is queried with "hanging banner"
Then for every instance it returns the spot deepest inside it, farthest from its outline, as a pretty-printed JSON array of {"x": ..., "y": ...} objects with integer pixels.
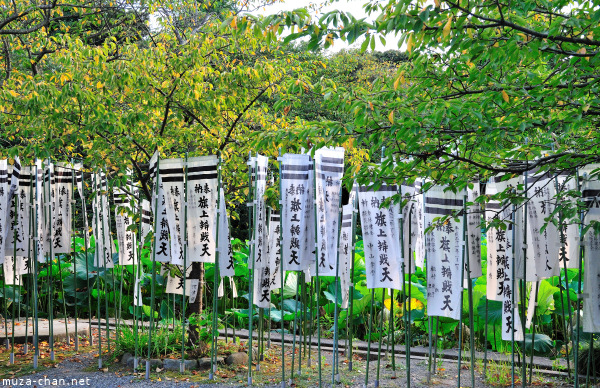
[
  {"x": 226, "y": 264},
  {"x": 262, "y": 286},
  {"x": 274, "y": 249},
  {"x": 175, "y": 280},
  {"x": 123, "y": 221},
  {"x": 444, "y": 245},
  {"x": 101, "y": 223},
  {"x": 19, "y": 208},
  {"x": 39, "y": 211},
  {"x": 49, "y": 198},
  {"x": 15, "y": 174},
  {"x": 474, "y": 213},
  {"x": 146, "y": 219},
  {"x": 297, "y": 215},
  {"x": 381, "y": 237},
  {"x": 172, "y": 178},
  {"x": 346, "y": 252},
  {"x": 80, "y": 189},
  {"x": 202, "y": 187},
  {"x": 569, "y": 247},
  {"x": 4, "y": 207},
  {"x": 162, "y": 246},
  {"x": 329, "y": 170},
  {"x": 63, "y": 186},
  {"x": 412, "y": 226},
  {"x": 542, "y": 246},
  {"x": 12, "y": 273},
  {"x": 590, "y": 191},
  {"x": 260, "y": 165}
]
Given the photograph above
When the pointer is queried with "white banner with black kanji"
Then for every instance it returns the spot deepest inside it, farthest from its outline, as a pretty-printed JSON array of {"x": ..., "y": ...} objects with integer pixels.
[
  {"x": 274, "y": 249},
  {"x": 171, "y": 175},
  {"x": 444, "y": 245},
  {"x": 381, "y": 237},
  {"x": 297, "y": 216},
  {"x": 63, "y": 186},
  {"x": 590, "y": 191},
  {"x": 259, "y": 167},
  {"x": 226, "y": 263},
  {"x": 202, "y": 197},
  {"x": 126, "y": 236},
  {"x": 4, "y": 207},
  {"x": 329, "y": 170},
  {"x": 346, "y": 249}
]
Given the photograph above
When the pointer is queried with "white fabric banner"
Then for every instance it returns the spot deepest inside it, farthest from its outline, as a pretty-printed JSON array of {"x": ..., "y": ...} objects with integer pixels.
[
  {"x": 49, "y": 218},
  {"x": 474, "y": 232},
  {"x": 101, "y": 223},
  {"x": 4, "y": 207},
  {"x": 329, "y": 170},
  {"x": 297, "y": 215},
  {"x": 63, "y": 186},
  {"x": 126, "y": 237},
  {"x": 146, "y": 218},
  {"x": 175, "y": 282},
  {"x": 10, "y": 276},
  {"x": 80, "y": 189},
  {"x": 590, "y": 190},
  {"x": 172, "y": 178},
  {"x": 262, "y": 287},
  {"x": 274, "y": 250},
  {"x": 381, "y": 237},
  {"x": 444, "y": 246},
  {"x": 202, "y": 197},
  {"x": 260, "y": 165},
  {"x": 39, "y": 211},
  {"x": 226, "y": 264},
  {"x": 162, "y": 246},
  {"x": 346, "y": 252},
  {"x": 542, "y": 247},
  {"x": 23, "y": 233},
  {"x": 570, "y": 236}
]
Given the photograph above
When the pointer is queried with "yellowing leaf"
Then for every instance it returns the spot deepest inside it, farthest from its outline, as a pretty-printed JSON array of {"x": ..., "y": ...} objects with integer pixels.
[
  {"x": 410, "y": 44},
  {"x": 504, "y": 96},
  {"x": 99, "y": 85},
  {"x": 391, "y": 117},
  {"x": 447, "y": 27}
]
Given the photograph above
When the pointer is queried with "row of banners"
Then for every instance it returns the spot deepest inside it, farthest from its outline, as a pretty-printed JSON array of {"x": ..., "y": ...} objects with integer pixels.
[{"x": 312, "y": 231}]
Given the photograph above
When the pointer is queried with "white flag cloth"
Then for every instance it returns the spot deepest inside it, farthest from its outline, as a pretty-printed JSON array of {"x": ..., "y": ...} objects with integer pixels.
[
  {"x": 162, "y": 246},
  {"x": 221, "y": 290},
  {"x": 274, "y": 249},
  {"x": 259, "y": 166},
  {"x": 4, "y": 207},
  {"x": 346, "y": 249},
  {"x": 63, "y": 186},
  {"x": 474, "y": 232},
  {"x": 10, "y": 276},
  {"x": 329, "y": 170},
  {"x": 234, "y": 293},
  {"x": 101, "y": 223},
  {"x": 413, "y": 226},
  {"x": 381, "y": 237},
  {"x": 39, "y": 211},
  {"x": 146, "y": 218},
  {"x": 80, "y": 189},
  {"x": 202, "y": 197},
  {"x": 14, "y": 177},
  {"x": 23, "y": 198},
  {"x": 175, "y": 282},
  {"x": 226, "y": 264},
  {"x": 542, "y": 247},
  {"x": 49, "y": 196},
  {"x": 570, "y": 236},
  {"x": 126, "y": 237},
  {"x": 297, "y": 215},
  {"x": 171, "y": 176},
  {"x": 444, "y": 245},
  {"x": 137, "y": 294},
  {"x": 590, "y": 190},
  {"x": 262, "y": 287}
]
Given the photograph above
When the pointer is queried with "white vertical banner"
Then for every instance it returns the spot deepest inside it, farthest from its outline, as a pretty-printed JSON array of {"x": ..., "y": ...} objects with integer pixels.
[
  {"x": 260, "y": 165},
  {"x": 171, "y": 173},
  {"x": 126, "y": 237},
  {"x": 12, "y": 278},
  {"x": 511, "y": 320},
  {"x": 274, "y": 249},
  {"x": 4, "y": 207},
  {"x": 63, "y": 185},
  {"x": 381, "y": 237},
  {"x": 346, "y": 252},
  {"x": 590, "y": 191},
  {"x": 329, "y": 170},
  {"x": 162, "y": 246},
  {"x": 542, "y": 246},
  {"x": 444, "y": 244},
  {"x": 39, "y": 210},
  {"x": 474, "y": 213},
  {"x": 49, "y": 196},
  {"x": 14, "y": 177},
  {"x": 101, "y": 223},
  {"x": 146, "y": 218},
  {"x": 202, "y": 197},
  {"x": 80, "y": 189},
  {"x": 297, "y": 215},
  {"x": 226, "y": 263},
  {"x": 570, "y": 234},
  {"x": 175, "y": 282},
  {"x": 262, "y": 286},
  {"x": 23, "y": 234}
]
